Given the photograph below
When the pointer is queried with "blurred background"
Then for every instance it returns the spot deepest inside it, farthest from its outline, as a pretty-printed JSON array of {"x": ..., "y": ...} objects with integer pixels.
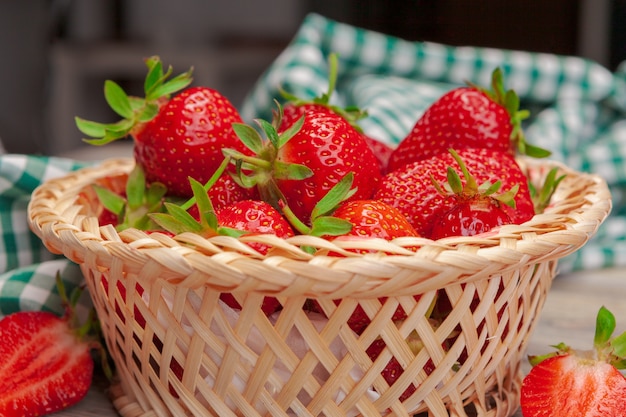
[{"x": 56, "y": 54}]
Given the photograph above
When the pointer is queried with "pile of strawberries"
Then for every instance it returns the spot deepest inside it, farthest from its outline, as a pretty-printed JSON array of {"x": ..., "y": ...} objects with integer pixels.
[{"x": 310, "y": 170}]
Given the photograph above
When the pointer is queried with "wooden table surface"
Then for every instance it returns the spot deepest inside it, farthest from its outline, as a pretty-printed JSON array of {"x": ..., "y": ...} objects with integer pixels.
[{"x": 568, "y": 316}]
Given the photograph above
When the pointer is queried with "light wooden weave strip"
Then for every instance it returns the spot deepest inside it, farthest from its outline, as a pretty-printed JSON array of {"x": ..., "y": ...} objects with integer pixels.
[{"x": 180, "y": 351}]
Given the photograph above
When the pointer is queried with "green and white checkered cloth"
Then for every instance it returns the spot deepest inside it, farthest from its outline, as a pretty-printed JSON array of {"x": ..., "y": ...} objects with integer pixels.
[
  {"x": 27, "y": 268},
  {"x": 578, "y": 112}
]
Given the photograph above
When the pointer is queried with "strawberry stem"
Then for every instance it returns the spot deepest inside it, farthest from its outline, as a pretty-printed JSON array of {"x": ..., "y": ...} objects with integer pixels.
[{"x": 207, "y": 186}]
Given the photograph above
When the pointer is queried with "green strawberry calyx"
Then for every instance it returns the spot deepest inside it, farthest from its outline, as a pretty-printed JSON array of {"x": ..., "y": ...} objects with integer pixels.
[
  {"x": 511, "y": 102},
  {"x": 141, "y": 199},
  {"x": 264, "y": 168},
  {"x": 135, "y": 111},
  {"x": 322, "y": 222},
  {"x": 351, "y": 113},
  {"x": 542, "y": 197},
  {"x": 606, "y": 347},
  {"x": 471, "y": 190}
]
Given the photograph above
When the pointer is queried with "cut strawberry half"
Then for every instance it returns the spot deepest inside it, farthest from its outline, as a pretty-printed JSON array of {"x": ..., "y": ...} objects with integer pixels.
[
  {"x": 45, "y": 362},
  {"x": 570, "y": 383}
]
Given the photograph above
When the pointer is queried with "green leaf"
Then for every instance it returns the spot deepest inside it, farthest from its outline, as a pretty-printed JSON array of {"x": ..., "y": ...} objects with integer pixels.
[
  {"x": 605, "y": 326},
  {"x": 290, "y": 171},
  {"x": 229, "y": 231},
  {"x": 175, "y": 84},
  {"x": 136, "y": 103},
  {"x": 340, "y": 192},
  {"x": 136, "y": 187},
  {"x": 113, "y": 202},
  {"x": 110, "y": 132},
  {"x": 333, "y": 65},
  {"x": 203, "y": 202},
  {"x": 121, "y": 127},
  {"x": 454, "y": 181},
  {"x": 249, "y": 136},
  {"x": 511, "y": 102},
  {"x": 155, "y": 194},
  {"x": 89, "y": 128},
  {"x": 270, "y": 132},
  {"x": 619, "y": 345},
  {"x": 168, "y": 222},
  {"x": 148, "y": 112},
  {"x": 290, "y": 132},
  {"x": 330, "y": 226},
  {"x": 536, "y": 152},
  {"x": 117, "y": 98},
  {"x": 154, "y": 76},
  {"x": 183, "y": 217}
]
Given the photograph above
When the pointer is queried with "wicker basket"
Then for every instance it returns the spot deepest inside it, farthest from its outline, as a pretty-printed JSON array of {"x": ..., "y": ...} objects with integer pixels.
[{"x": 179, "y": 351}]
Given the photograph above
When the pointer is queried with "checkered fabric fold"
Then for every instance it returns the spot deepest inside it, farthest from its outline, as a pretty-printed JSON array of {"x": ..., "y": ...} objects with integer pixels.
[{"x": 578, "y": 112}]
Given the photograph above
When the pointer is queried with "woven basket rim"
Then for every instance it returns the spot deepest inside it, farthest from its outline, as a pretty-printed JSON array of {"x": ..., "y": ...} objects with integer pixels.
[{"x": 582, "y": 202}]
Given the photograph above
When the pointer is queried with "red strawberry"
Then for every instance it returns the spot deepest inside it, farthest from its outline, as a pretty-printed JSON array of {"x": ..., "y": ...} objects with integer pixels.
[
  {"x": 373, "y": 219},
  {"x": 477, "y": 209},
  {"x": 368, "y": 219},
  {"x": 308, "y": 149},
  {"x": 467, "y": 117},
  {"x": 244, "y": 217},
  {"x": 381, "y": 150},
  {"x": 571, "y": 383},
  {"x": 45, "y": 366},
  {"x": 108, "y": 217},
  {"x": 331, "y": 148},
  {"x": 411, "y": 189},
  {"x": 255, "y": 217},
  {"x": 469, "y": 218},
  {"x": 226, "y": 191},
  {"x": 176, "y": 138}
]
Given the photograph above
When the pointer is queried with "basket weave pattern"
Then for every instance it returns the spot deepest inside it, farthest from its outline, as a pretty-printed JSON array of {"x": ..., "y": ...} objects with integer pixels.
[{"x": 179, "y": 351}]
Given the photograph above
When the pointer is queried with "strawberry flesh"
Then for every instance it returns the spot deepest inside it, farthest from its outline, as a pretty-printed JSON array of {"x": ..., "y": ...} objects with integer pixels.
[
  {"x": 43, "y": 366},
  {"x": 568, "y": 385}
]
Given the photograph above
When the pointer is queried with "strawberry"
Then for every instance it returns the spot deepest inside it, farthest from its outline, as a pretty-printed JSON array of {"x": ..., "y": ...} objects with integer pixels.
[
  {"x": 309, "y": 147},
  {"x": 381, "y": 150},
  {"x": 226, "y": 191},
  {"x": 477, "y": 209},
  {"x": 244, "y": 217},
  {"x": 579, "y": 383},
  {"x": 411, "y": 189},
  {"x": 373, "y": 219},
  {"x": 301, "y": 164},
  {"x": 255, "y": 217},
  {"x": 173, "y": 138},
  {"x": 45, "y": 362},
  {"x": 470, "y": 117},
  {"x": 356, "y": 220}
]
